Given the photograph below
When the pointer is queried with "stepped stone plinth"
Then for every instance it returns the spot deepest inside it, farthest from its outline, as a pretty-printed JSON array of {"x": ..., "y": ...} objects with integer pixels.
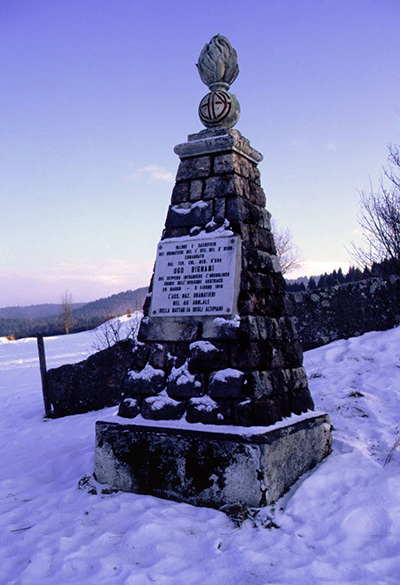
[{"x": 215, "y": 345}]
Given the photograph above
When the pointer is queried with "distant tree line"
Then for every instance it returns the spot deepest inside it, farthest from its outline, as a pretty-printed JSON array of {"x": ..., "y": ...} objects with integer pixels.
[
  {"x": 88, "y": 316},
  {"x": 378, "y": 269},
  {"x": 20, "y": 327}
]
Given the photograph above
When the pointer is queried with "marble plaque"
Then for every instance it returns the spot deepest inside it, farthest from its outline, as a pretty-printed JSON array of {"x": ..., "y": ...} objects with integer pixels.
[{"x": 195, "y": 277}]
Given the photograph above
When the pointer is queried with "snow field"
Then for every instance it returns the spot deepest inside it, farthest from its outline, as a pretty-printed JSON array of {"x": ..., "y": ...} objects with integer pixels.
[{"x": 338, "y": 524}]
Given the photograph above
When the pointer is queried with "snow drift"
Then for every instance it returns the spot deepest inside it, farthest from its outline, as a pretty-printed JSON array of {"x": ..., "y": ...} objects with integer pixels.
[{"x": 338, "y": 524}]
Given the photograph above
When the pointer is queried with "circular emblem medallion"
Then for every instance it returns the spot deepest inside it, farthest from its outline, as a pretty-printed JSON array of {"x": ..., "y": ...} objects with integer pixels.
[
  {"x": 219, "y": 108},
  {"x": 215, "y": 107}
]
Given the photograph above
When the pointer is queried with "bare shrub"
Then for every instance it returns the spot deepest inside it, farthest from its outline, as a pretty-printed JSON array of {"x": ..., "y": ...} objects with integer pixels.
[
  {"x": 289, "y": 254},
  {"x": 67, "y": 308},
  {"x": 116, "y": 329},
  {"x": 379, "y": 218}
]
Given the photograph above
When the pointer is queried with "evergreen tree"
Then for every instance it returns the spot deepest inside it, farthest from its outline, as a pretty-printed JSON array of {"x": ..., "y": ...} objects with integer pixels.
[{"x": 312, "y": 285}]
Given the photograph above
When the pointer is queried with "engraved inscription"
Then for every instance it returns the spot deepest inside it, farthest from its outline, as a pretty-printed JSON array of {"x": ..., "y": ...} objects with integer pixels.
[{"x": 195, "y": 277}]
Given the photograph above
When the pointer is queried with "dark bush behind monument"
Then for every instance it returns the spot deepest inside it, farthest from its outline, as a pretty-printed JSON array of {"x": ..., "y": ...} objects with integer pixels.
[{"x": 215, "y": 345}]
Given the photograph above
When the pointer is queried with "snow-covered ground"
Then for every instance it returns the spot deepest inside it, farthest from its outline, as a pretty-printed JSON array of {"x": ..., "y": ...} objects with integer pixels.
[{"x": 339, "y": 524}]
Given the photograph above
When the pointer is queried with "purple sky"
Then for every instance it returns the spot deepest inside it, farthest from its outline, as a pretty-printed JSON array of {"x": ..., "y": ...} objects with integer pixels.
[{"x": 96, "y": 93}]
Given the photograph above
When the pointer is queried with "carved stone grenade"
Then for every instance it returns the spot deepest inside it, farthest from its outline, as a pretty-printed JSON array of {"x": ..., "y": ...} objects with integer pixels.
[{"x": 218, "y": 69}]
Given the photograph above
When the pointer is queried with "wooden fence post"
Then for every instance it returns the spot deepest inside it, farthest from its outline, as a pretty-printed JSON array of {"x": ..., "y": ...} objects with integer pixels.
[{"x": 43, "y": 374}]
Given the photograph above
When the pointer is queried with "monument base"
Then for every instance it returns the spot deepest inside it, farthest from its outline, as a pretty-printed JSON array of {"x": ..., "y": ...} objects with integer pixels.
[{"x": 216, "y": 467}]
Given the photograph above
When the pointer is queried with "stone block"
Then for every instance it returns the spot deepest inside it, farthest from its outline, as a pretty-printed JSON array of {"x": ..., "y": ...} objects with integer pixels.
[
  {"x": 212, "y": 226},
  {"x": 196, "y": 190},
  {"x": 160, "y": 356},
  {"x": 286, "y": 378},
  {"x": 278, "y": 359},
  {"x": 180, "y": 192},
  {"x": 196, "y": 230},
  {"x": 293, "y": 354},
  {"x": 248, "y": 303},
  {"x": 162, "y": 407},
  {"x": 248, "y": 329},
  {"x": 245, "y": 233},
  {"x": 147, "y": 381},
  {"x": 219, "y": 210},
  {"x": 226, "y": 383},
  {"x": 265, "y": 327},
  {"x": 185, "y": 388},
  {"x": 175, "y": 232},
  {"x": 246, "y": 356},
  {"x": 261, "y": 238},
  {"x": 255, "y": 175},
  {"x": 237, "y": 210},
  {"x": 273, "y": 305},
  {"x": 182, "y": 384},
  {"x": 259, "y": 384},
  {"x": 204, "y": 410},
  {"x": 298, "y": 378},
  {"x": 263, "y": 217},
  {"x": 205, "y": 356},
  {"x": 220, "y": 328},
  {"x": 243, "y": 413},
  {"x": 279, "y": 284},
  {"x": 146, "y": 305},
  {"x": 260, "y": 260},
  {"x": 300, "y": 401},
  {"x": 266, "y": 410},
  {"x": 180, "y": 353},
  {"x": 223, "y": 186},
  {"x": 194, "y": 168},
  {"x": 226, "y": 409},
  {"x": 242, "y": 210},
  {"x": 232, "y": 163},
  {"x": 168, "y": 329},
  {"x": 226, "y": 163},
  {"x": 281, "y": 328},
  {"x": 256, "y": 194},
  {"x": 217, "y": 140},
  {"x": 254, "y": 281},
  {"x": 189, "y": 214},
  {"x": 284, "y": 402},
  {"x": 129, "y": 408},
  {"x": 140, "y": 356},
  {"x": 210, "y": 468}
]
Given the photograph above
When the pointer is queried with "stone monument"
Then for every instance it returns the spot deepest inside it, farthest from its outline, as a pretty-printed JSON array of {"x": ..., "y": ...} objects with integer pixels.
[{"x": 217, "y": 396}]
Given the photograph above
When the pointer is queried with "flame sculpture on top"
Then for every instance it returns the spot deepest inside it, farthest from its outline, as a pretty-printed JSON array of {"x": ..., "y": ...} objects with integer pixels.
[{"x": 218, "y": 69}]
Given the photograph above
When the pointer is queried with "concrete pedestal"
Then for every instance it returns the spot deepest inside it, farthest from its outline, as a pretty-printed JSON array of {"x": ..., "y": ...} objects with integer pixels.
[{"x": 210, "y": 467}]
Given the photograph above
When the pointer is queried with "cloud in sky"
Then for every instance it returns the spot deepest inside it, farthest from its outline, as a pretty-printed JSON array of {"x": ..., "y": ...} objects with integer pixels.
[
  {"x": 331, "y": 145},
  {"x": 302, "y": 144},
  {"x": 153, "y": 173}
]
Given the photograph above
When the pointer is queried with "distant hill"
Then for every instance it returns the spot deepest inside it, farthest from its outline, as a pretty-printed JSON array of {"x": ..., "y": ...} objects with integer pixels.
[
  {"x": 34, "y": 311},
  {"x": 46, "y": 319},
  {"x": 114, "y": 305}
]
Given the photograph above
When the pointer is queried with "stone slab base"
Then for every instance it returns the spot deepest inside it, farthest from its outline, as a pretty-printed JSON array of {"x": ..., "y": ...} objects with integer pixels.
[{"x": 210, "y": 468}]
